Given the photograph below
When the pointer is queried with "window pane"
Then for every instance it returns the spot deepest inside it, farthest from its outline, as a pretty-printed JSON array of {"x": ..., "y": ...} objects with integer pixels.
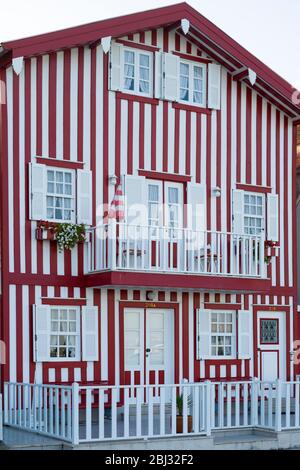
[
  {"x": 144, "y": 60},
  {"x": 129, "y": 57},
  {"x": 184, "y": 69},
  {"x": 50, "y": 187},
  {"x": 62, "y": 352},
  {"x": 173, "y": 195},
  {"x": 50, "y": 175}
]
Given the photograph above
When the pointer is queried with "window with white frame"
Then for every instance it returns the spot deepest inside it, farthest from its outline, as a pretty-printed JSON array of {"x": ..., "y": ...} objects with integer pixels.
[
  {"x": 192, "y": 83},
  {"x": 154, "y": 206},
  {"x": 254, "y": 213},
  {"x": 222, "y": 334},
  {"x": 65, "y": 334},
  {"x": 60, "y": 198},
  {"x": 137, "y": 73}
]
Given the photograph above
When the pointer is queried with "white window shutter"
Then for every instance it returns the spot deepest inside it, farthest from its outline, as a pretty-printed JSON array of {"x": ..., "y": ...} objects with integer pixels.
[
  {"x": 135, "y": 200},
  {"x": 38, "y": 185},
  {"x": 196, "y": 211},
  {"x": 158, "y": 75},
  {"x": 245, "y": 334},
  {"x": 90, "y": 334},
  {"x": 203, "y": 334},
  {"x": 42, "y": 327},
  {"x": 84, "y": 197},
  {"x": 273, "y": 225},
  {"x": 116, "y": 66},
  {"x": 214, "y": 86},
  {"x": 170, "y": 77},
  {"x": 238, "y": 211}
]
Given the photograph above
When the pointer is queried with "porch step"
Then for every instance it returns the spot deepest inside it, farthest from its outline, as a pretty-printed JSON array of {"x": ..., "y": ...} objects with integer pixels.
[
  {"x": 233, "y": 439},
  {"x": 16, "y": 439}
]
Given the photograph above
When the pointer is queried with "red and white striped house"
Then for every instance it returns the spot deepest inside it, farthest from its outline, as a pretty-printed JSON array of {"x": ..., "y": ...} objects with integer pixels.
[{"x": 177, "y": 150}]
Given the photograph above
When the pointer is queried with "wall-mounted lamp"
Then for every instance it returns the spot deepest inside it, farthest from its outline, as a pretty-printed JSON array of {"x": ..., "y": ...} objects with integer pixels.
[
  {"x": 217, "y": 192},
  {"x": 113, "y": 180},
  {"x": 150, "y": 295}
]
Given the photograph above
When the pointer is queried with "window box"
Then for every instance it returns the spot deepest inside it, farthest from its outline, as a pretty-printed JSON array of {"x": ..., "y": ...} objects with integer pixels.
[{"x": 52, "y": 232}]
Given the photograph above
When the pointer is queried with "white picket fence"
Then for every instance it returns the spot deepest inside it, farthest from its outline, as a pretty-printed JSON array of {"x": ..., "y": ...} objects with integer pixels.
[{"x": 80, "y": 414}]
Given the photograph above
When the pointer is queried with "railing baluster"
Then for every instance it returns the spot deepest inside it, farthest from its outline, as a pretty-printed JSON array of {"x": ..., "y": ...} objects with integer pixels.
[
  {"x": 114, "y": 413},
  {"x": 139, "y": 394},
  {"x": 245, "y": 404},
  {"x": 88, "y": 414},
  {"x": 237, "y": 405},
  {"x": 150, "y": 412},
  {"x": 162, "y": 411},
  {"x": 174, "y": 410},
  {"x": 196, "y": 411},
  {"x": 126, "y": 412},
  {"x": 288, "y": 405},
  {"x": 229, "y": 397}
]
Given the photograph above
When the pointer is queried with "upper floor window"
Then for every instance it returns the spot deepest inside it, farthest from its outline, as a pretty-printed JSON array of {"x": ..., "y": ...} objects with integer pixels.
[
  {"x": 60, "y": 195},
  {"x": 192, "y": 83},
  {"x": 254, "y": 213},
  {"x": 137, "y": 72}
]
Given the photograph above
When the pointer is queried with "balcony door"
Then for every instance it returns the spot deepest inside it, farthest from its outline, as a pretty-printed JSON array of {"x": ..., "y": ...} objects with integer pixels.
[{"x": 148, "y": 353}]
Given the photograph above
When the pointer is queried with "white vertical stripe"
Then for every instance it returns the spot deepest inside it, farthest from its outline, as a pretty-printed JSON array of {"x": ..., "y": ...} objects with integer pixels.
[
  {"x": 253, "y": 137},
  {"x": 25, "y": 333},
  {"x": 12, "y": 334},
  {"x": 117, "y": 335},
  {"x": 193, "y": 145},
  {"x": 191, "y": 337},
  {"x": 264, "y": 142},
  {"x": 224, "y": 201},
  {"x": 112, "y": 141},
  {"x": 282, "y": 208},
  {"x": 45, "y": 107},
  {"x": 60, "y": 263},
  {"x": 273, "y": 175},
  {"x": 203, "y": 148},
  {"x": 33, "y": 153},
  {"x": 60, "y": 105},
  {"x": 159, "y": 137},
  {"x": 99, "y": 129},
  {"x": 182, "y": 142},
  {"x": 38, "y": 376},
  {"x": 147, "y": 134},
  {"x": 90, "y": 365},
  {"x": 22, "y": 168},
  {"x": 124, "y": 137},
  {"x": 213, "y": 167},
  {"x": 291, "y": 221},
  {"x": 135, "y": 149},
  {"x": 10, "y": 140},
  {"x": 104, "y": 335},
  {"x": 87, "y": 107},
  {"x": 73, "y": 104},
  {"x": 233, "y": 133},
  {"x": 243, "y": 134},
  {"x": 74, "y": 261},
  {"x": 179, "y": 298},
  {"x": 46, "y": 257},
  {"x": 171, "y": 137}
]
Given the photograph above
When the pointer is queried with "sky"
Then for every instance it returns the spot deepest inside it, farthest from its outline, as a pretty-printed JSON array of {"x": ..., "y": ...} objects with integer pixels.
[{"x": 267, "y": 28}]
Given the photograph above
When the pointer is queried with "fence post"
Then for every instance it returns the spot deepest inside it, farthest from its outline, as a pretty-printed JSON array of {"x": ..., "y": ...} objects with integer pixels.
[
  {"x": 254, "y": 402},
  {"x": 278, "y": 404},
  {"x": 75, "y": 414},
  {"x": 209, "y": 404}
]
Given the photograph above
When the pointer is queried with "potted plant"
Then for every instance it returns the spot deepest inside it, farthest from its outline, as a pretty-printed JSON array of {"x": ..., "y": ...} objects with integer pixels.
[{"x": 179, "y": 418}]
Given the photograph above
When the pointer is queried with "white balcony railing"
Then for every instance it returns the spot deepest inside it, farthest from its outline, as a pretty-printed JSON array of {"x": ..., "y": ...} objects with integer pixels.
[{"x": 119, "y": 246}]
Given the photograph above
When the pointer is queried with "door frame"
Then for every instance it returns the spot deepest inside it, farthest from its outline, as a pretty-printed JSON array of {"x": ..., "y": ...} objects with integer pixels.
[
  {"x": 148, "y": 306},
  {"x": 280, "y": 349}
]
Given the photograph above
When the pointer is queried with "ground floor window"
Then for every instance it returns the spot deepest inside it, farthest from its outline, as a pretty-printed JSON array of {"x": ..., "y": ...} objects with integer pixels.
[
  {"x": 222, "y": 334},
  {"x": 65, "y": 333}
]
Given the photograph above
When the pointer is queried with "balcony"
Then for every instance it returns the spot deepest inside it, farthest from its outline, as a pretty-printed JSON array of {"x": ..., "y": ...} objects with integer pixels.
[{"x": 119, "y": 247}]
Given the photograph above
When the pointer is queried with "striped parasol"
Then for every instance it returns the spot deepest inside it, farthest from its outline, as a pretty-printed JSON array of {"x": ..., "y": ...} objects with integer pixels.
[{"x": 117, "y": 206}]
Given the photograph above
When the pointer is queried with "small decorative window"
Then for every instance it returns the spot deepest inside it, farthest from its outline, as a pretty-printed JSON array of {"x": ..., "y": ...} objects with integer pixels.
[
  {"x": 192, "y": 83},
  {"x": 60, "y": 195},
  {"x": 137, "y": 72},
  {"x": 254, "y": 213},
  {"x": 269, "y": 333},
  {"x": 222, "y": 338},
  {"x": 64, "y": 335}
]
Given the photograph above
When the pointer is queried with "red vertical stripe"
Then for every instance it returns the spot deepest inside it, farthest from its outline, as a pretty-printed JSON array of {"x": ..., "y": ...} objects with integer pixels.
[
  {"x": 28, "y": 111},
  {"x": 111, "y": 336},
  {"x": 208, "y": 171},
  {"x": 39, "y": 103},
  {"x": 130, "y": 138},
  {"x": 198, "y": 148},
  {"x": 188, "y": 144},
  {"x": 229, "y": 151},
  {"x": 67, "y": 103},
  {"x": 142, "y": 137},
  {"x": 238, "y": 132},
  {"x": 105, "y": 128},
  {"x": 259, "y": 141},
  {"x": 153, "y": 137}
]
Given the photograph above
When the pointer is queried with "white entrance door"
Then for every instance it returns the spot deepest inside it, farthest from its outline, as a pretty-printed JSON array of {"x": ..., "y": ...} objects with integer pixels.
[
  {"x": 149, "y": 346},
  {"x": 271, "y": 334}
]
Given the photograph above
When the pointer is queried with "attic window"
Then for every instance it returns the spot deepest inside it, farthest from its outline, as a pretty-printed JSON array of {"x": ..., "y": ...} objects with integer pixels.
[{"x": 137, "y": 72}]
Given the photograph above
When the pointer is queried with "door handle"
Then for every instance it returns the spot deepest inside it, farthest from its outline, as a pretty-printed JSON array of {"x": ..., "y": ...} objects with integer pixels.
[{"x": 148, "y": 351}]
